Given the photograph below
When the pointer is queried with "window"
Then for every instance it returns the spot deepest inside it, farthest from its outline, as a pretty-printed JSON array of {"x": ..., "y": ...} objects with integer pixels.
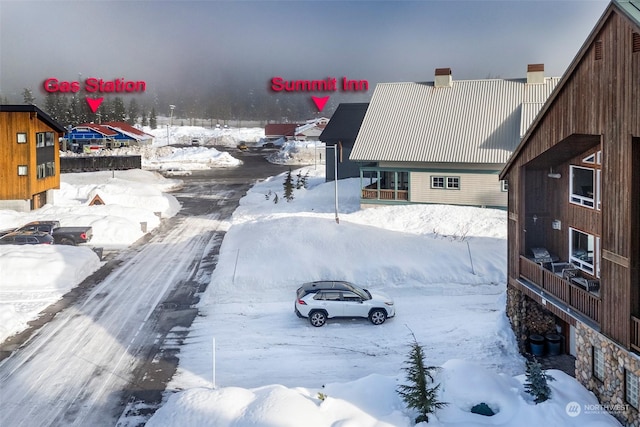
[
  {"x": 598, "y": 363},
  {"x": 453, "y": 183},
  {"x": 45, "y": 139},
  {"x": 22, "y": 170},
  {"x": 21, "y": 137},
  {"x": 584, "y": 251},
  {"x": 40, "y": 139},
  {"x": 328, "y": 296},
  {"x": 41, "y": 171},
  {"x": 581, "y": 191},
  {"x": 504, "y": 185},
  {"x": 446, "y": 182},
  {"x": 598, "y": 181},
  {"x": 49, "y": 139},
  {"x": 631, "y": 394},
  {"x": 50, "y": 169},
  {"x": 44, "y": 170}
]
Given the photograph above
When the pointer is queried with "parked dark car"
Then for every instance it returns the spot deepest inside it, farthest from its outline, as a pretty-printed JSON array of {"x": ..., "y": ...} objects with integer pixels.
[
  {"x": 61, "y": 235},
  {"x": 27, "y": 238}
]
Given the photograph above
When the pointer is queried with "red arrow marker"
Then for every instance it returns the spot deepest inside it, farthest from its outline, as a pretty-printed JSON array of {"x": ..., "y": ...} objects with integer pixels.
[
  {"x": 320, "y": 102},
  {"x": 94, "y": 103}
]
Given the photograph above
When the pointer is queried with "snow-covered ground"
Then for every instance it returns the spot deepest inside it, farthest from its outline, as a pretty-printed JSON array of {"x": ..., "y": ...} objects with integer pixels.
[{"x": 250, "y": 361}]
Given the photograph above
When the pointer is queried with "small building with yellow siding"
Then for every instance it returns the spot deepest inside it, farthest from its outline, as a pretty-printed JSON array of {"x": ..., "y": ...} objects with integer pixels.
[{"x": 29, "y": 157}]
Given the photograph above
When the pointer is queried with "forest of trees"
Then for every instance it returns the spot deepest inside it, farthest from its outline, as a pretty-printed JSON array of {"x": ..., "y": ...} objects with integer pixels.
[{"x": 221, "y": 105}]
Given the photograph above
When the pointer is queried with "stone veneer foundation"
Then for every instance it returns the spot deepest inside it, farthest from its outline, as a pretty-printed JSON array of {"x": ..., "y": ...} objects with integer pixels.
[
  {"x": 528, "y": 317},
  {"x": 611, "y": 392}
]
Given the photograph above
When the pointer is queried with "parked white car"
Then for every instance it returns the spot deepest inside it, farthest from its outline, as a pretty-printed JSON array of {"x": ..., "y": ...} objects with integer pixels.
[{"x": 322, "y": 300}]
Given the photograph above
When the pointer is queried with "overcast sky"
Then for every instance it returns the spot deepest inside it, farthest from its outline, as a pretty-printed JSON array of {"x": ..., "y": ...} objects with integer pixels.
[{"x": 185, "y": 44}]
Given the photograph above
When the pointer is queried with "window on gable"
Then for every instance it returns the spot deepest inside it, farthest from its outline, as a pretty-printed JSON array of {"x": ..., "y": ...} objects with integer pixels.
[
  {"x": 598, "y": 50},
  {"x": 21, "y": 137},
  {"x": 636, "y": 42},
  {"x": 591, "y": 159},
  {"x": 22, "y": 170}
]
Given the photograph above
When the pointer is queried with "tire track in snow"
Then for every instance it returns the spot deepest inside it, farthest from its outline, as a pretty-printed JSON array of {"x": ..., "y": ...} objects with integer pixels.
[{"x": 72, "y": 371}]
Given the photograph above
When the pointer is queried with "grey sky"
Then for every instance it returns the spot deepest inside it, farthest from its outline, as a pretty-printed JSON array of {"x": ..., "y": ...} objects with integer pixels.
[{"x": 175, "y": 45}]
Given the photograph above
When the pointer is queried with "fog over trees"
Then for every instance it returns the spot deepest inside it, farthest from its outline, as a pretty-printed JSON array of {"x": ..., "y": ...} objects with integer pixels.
[{"x": 213, "y": 105}]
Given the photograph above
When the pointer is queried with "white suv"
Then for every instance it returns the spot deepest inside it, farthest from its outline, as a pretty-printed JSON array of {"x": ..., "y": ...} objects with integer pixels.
[{"x": 325, "y": 299}]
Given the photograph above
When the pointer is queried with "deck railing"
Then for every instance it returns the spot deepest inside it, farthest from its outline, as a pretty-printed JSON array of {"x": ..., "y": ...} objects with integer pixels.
[
  {"x": 635, "y": 333},
  {"x": 385, "y": 194},
  {"x": 574, "y": 296}
]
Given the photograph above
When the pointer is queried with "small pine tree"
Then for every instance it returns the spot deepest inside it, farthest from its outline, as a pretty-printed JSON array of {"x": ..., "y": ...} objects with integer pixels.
[
  {"x": 299, "y": 180},
  {"x": 27, "y": 96},
  {"x": 153, "y": 121},
  {"x": 536, "y": 384},
  {"x": 304, "y": 179},
  {"x": 417, "y": 394},
  {"x": 288, "y": 187}
]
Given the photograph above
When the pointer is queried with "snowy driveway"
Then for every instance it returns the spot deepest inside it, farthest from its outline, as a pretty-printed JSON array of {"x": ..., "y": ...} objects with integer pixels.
[{"x": 74, "y": 370}]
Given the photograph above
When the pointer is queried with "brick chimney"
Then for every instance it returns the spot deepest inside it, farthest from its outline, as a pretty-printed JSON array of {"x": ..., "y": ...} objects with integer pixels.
[
  {"x": 443, "y": 78},
  {"x": 535, "y": 73}
]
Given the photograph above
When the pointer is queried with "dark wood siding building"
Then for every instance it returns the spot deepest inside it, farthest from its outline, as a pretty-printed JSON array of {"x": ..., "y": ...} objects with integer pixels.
[
  {"x": 342, "y": 130},
  {"x": 29, "y": 156},
  {"x": 574, "y": 195}
]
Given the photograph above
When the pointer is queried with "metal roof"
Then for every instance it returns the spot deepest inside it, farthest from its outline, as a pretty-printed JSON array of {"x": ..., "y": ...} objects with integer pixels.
[
  {"x": 473, "y": 121},
  {"x": 631, "y": 8},
  {"x": 345, "y": 122}
]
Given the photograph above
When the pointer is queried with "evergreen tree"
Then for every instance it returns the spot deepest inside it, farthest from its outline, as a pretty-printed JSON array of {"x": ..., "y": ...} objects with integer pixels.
[
  {"x": 27, "y": 96},
  {"x": 133, "y": 112},
  {"x": 153, "y": 121},
  {"x": 418, "y": 394},
  {"x": 537, "y": 381},
  {"x": 288, "y": 187},
  {"x": 299, "y": 180},
  {"x": 56, "y": 106},
  {"x": 119, "y": 110},
  {"x": 144, "y": 120}
]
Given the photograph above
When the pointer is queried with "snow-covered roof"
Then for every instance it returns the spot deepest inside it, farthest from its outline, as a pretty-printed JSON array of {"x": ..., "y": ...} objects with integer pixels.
[
  {"x": 127, "y": 129},
  {"x": 103, "y": 130}
]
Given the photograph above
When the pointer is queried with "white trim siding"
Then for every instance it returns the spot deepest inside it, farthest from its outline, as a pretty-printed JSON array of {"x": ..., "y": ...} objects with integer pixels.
[{"x": 476, "y": 189}]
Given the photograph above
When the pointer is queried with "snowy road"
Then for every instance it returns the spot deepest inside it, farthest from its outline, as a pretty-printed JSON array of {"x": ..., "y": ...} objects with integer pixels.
[{"x": 82, "y": 367}]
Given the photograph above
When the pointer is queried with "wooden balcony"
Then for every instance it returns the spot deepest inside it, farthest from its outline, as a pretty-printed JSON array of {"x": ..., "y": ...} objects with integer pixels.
[
  {"x": 385, "y": 194},
  {"x": 635, "y": 334},
  {"x": 575, "y": 297}
]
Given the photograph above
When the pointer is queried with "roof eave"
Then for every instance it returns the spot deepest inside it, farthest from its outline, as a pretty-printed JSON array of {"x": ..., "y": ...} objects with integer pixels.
[{"x": 563, "y": 81}]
